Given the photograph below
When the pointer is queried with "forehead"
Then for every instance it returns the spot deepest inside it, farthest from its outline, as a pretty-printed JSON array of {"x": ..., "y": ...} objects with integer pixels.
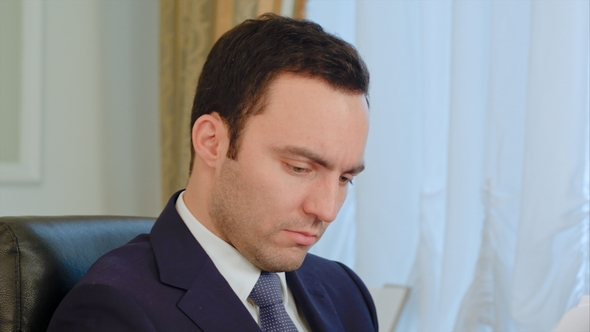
[{"x": 307, "y": 112}]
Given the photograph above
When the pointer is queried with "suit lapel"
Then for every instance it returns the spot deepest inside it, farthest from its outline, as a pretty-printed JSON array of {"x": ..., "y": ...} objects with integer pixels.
[
  {"x": 313, "y": 300},
  {"x": 209, "y": 301},
  {"x": 213, "y": 306}
]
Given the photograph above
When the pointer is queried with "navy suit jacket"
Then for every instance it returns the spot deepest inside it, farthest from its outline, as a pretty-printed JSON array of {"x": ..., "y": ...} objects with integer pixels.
[{"x": 165, "y": 281}]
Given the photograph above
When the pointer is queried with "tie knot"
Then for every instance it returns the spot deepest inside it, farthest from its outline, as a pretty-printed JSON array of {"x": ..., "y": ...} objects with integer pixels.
[
  {"x": 268, "y": 297},
  {"x": 267, "y": 290}
]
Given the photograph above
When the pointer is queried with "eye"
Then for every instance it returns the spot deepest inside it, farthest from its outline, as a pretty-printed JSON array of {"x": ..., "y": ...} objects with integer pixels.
[
  {"x": 345, "y": 180},
  {"x": 298, "y": 170}
]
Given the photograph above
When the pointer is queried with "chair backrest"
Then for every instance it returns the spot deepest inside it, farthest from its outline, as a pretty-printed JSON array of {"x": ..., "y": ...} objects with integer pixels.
[{"x": 42, "y": 258}]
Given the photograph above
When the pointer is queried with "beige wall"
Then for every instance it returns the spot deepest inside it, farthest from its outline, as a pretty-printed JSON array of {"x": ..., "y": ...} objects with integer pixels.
[{"x": 99, "y": 150}]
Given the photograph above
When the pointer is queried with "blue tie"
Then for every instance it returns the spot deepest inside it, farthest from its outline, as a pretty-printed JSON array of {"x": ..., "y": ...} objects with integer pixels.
[{"x": 269, "y": 299}]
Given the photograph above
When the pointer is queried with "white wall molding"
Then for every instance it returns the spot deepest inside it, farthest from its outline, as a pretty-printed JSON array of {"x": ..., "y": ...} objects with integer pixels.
[{"x": 28, "y": 168}]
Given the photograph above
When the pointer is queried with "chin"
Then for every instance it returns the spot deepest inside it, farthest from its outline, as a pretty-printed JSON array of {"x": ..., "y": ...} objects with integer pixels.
[
  {"x": 281, "y": 262},
  {"x": 283, "y": 268}
]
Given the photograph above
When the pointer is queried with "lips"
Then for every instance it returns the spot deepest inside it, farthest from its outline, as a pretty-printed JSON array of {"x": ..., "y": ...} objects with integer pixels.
[{"x": 302, "y": 238}]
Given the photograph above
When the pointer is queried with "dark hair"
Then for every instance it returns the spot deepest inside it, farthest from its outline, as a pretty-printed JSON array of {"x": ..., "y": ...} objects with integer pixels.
[{"x": 244, "y": 61}]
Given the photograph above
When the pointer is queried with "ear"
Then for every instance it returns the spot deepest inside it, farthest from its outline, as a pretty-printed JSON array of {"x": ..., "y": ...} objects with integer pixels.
[{"x": 210, "y": 139}]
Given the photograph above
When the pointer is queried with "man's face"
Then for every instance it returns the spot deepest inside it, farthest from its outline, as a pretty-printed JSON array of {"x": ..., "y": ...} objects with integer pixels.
[{"x": 292, "y": 173}]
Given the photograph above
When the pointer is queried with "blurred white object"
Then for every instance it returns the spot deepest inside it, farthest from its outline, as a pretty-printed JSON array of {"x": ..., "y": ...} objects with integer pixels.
[
  {"x": 389, "y": 301},
  {"x": 577, "y": 318}
]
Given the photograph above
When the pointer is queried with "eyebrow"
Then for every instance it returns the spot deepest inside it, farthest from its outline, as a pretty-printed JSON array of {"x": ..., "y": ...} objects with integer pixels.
[{"x": 316, "y": 158}]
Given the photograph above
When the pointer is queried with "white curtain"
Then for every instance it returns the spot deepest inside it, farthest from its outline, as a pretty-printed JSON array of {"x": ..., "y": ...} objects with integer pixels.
[{"x": 476, "y": 189}]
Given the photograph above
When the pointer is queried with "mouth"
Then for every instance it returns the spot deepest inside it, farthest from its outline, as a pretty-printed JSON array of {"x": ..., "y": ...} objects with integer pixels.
[{"x": 302, "y": 238}]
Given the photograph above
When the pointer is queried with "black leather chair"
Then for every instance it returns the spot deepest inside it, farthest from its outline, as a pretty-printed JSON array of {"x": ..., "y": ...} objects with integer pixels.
[{"x": 42, "y": 258}]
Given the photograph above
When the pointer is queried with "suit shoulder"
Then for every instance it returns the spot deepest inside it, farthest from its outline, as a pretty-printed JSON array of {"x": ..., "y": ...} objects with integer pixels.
[
  {"x": 109, "y": 310},
  {"x": 123, "y": 287},
  {"x": 131, "y": 270},
  {"x": 124, "y": 264}
]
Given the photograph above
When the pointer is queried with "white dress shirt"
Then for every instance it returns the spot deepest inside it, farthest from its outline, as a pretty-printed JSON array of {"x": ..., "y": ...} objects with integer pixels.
[{"x": 241, "y": 275}]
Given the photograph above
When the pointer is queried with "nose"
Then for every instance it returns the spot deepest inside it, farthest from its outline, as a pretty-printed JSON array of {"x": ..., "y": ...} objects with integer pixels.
[{"x": 325, "y": 199}]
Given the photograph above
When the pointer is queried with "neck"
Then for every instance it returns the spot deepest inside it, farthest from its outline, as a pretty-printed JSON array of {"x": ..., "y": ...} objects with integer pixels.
[{"x": 197, "y": 195}]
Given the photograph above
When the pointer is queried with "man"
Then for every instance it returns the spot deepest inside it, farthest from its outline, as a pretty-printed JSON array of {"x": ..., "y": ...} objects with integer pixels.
[{"x": 279, "y": 125}]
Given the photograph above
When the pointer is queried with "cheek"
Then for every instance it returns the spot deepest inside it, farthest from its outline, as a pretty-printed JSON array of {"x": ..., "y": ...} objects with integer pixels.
[
  {"x": 275, "y": 197},
  {"x": 272, "y": 190}
]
